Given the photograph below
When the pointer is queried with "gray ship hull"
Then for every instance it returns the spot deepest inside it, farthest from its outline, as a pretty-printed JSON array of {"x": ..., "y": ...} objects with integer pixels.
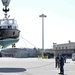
[{"x": 9, "y": 36}]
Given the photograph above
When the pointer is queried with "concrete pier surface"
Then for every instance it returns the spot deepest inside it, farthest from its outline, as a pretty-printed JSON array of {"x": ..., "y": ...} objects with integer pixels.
[{"x": 33, "y": 66}]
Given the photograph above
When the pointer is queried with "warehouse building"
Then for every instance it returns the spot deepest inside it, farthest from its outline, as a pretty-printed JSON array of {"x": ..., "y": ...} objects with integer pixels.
[
  {"x": 65, "y": 49},
  {"x": 18, "y": 52}
]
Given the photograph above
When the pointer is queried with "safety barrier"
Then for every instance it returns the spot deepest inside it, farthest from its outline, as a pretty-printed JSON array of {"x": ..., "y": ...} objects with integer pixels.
[{"x": 45, "y": 57}]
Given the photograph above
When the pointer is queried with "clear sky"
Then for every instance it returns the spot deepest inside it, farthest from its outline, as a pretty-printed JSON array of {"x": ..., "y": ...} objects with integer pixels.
[{"x": 59, "y": 25}]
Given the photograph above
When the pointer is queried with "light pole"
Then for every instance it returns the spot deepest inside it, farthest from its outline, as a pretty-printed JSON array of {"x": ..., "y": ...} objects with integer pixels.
[{"x": 42, "y": 33}]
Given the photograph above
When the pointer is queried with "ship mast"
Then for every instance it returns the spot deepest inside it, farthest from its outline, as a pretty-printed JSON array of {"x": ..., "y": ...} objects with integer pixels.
[{"x": 5, "y": 9}]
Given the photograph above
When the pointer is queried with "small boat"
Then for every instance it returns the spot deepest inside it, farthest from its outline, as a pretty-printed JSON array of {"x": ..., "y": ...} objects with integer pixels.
[{"x": 9, "y": 32}]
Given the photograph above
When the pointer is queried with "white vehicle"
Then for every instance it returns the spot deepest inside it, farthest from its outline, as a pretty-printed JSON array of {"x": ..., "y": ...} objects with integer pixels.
[{"x": 73, "y": 57}]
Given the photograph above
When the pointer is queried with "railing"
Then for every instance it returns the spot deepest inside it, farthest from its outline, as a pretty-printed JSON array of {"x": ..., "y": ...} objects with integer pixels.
[{"x": 8, "y": 24}]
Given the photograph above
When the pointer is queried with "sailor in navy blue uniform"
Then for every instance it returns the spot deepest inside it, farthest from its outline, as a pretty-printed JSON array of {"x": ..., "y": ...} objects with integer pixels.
[{"x": 61, "y": 61}]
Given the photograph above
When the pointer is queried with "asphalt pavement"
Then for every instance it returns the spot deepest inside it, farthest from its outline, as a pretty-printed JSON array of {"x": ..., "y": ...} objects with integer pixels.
[{"x": 33, "y": 66}]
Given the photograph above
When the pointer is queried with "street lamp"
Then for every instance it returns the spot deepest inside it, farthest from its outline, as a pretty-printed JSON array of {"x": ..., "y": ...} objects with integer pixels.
[{"x": 42, "y": 33}]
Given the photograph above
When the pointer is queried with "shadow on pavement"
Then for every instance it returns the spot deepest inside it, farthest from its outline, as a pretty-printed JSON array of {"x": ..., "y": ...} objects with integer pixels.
[{"x": 10, "y": 70}]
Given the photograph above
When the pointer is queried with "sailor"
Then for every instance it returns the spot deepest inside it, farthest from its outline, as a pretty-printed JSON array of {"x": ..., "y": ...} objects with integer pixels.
[
  {"x": 64, "y": 59},
  {"x": 57, "y": 61},
  {"x": 61, "y": 62}
]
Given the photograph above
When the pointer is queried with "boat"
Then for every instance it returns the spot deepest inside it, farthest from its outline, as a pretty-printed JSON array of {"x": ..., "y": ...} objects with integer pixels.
[{"x": 9, "y": 32}]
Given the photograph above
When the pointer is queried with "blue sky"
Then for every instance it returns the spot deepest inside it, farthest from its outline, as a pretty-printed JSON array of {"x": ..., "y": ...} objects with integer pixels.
[{"x": 59, "y": 25}]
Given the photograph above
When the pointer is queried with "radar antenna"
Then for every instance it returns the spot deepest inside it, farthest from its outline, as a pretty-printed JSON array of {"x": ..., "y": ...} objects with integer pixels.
[{"x": 6, "y": 4}]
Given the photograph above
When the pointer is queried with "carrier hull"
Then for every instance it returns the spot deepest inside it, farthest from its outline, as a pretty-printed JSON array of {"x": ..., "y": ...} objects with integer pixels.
[
  {"x": 6, "y": 42},
  {"x": 9, "y": 37},
  {"x": 9, "y": 33}
]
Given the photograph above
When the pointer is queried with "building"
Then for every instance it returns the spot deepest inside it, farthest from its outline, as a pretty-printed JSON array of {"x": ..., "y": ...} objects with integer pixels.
[
  {"x": 18, "y": 52},
  {"x": 65, "y": 49}
]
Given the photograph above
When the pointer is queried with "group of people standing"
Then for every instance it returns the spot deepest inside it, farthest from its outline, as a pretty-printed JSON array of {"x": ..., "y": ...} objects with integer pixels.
[{"x": 59, "y": 63}]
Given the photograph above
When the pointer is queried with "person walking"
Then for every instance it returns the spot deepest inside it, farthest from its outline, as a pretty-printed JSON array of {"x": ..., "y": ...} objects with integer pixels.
[
  {"x": 57, "y": 61},
  {"x": 61, "y": 61},
  {"x": 64, "y": 59}
]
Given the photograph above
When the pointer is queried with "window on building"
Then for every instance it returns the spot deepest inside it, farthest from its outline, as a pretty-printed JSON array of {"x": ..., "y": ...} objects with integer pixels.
[
  {"x": 56, "y": 48},
  {"x": 59, "y": 47},
  {"x": 66, "y": 47},
  {"x": 62, "y": 47},
  {"x": 74, "y": 47}
]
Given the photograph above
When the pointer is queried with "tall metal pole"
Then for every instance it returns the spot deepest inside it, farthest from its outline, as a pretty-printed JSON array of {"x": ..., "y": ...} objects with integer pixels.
[{"x": 42, "y": 33}]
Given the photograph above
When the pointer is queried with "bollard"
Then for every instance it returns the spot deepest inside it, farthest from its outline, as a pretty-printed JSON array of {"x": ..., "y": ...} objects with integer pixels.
[{"x": 39, "y": 57}]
